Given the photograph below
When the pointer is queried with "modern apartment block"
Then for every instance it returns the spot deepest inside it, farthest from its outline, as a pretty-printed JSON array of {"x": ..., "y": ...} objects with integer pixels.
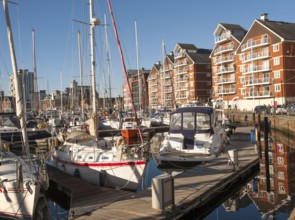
[
  {"x": 227, "y": 39},
  {"x": 263, "y": 69},
  {"x": 139, "y": 89},
  {"x": 183, "y": 77}
]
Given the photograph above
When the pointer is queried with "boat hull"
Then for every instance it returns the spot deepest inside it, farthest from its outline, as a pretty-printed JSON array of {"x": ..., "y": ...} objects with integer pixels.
[
  {"x": 18, "y": 204},
  {"x": 119, "y": 175}
]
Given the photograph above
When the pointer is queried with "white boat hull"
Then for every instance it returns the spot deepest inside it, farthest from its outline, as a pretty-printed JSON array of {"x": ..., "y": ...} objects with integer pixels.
[{"x": 121, "y": 175}]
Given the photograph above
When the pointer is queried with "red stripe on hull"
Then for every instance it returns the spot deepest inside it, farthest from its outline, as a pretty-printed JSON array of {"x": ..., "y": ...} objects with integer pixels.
[{"x": 107, "y": 164}]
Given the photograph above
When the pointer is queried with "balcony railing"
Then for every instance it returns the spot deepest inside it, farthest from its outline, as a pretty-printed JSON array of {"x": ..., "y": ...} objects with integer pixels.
[
  {"x": 255, "y": 43},
  {"x": 225, "y": 36},
  {"x": 256, "y": 56},
  {"x": 226, "y": 80},
  {"x": 181, "y": 97},
  {"x": 166, "y": 69},
  {"x": 223, "y": 49},
  {"x": 258, "y": 94},
  {"x": 259, "y": 81},
  {"x": 181, "y": 88},
  {"x": 178, "y": 55},
  {"x": 224, "y": 70},
  {"x": 182, "y": 71},
  {"x": 224, "y": 60},
  {"x": 166, "y": 76},
  {"x": 179, "y": 80},
  {"x": 180, "y": 63},
  {"x": 152, "y": 77},
  {"x": 226, "y": 91},
  {"x": 153, "y": 83},
  {"x": 256, "y": 69}
]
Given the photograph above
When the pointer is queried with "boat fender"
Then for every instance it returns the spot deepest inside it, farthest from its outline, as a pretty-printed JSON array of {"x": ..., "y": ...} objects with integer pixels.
[{"x": 132, "y": 151}]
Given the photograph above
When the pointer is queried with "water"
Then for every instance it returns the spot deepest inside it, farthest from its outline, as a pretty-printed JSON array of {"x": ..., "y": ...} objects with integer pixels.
[{"x": 250, "y": 201}]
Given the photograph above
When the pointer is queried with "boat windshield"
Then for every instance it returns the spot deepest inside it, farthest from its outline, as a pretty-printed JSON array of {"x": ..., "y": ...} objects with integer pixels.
[{"x": 202, "y": 121}]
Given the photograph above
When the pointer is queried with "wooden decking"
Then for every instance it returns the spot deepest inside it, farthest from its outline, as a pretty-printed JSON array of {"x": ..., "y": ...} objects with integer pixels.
[{"x": 192, "y": 188}]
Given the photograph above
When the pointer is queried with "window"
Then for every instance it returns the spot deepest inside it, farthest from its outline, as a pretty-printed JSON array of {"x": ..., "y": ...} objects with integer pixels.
[
  {"x": 280, "y": 148},
  {"x": 208, "y": 66},
  {"x": 281, "y": 175},
  {"x": 276, "y": 61},
  {"x": 281, "y": 188},
  {"x": 271, "y": 172},
  {"x": 277, "y": 74},
  {"x": 275, "y": 47},
  {"x": 191, "y": 75},
  {"x": 191, "y": 84},
  {"x": 243, "y": 91},
  {"x": 208, "y": 83},
  {"x": 280, "y": 160},
  {"x": 277, "y": 87},
  {"x": 208, "y": 75}
]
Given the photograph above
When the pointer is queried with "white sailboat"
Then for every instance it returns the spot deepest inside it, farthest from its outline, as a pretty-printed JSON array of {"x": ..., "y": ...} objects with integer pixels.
[
  {"x": 106, "y": 162},
  {"x": 19, "y": 185}
]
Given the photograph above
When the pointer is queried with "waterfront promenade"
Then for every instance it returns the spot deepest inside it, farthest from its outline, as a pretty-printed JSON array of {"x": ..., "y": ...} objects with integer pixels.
[{"x": 193, "y": 188}]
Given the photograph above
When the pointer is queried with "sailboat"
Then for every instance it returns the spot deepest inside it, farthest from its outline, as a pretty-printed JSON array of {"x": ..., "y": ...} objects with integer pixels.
[
  {"x": 19, "y": 184},
  {"x": 101, "y": 161}
]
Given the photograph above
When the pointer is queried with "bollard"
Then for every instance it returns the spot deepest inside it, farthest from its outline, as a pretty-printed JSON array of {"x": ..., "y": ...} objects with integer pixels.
[{"x": 233, "y": 158}]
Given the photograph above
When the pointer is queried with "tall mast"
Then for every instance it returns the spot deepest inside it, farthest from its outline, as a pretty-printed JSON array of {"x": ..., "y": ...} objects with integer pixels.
[
  {"x": 138, "y": 71},
  {"x": 93, "y": 23},
  {"x": 20, "y": 107},
  {"x": 81, "y": 74},
  {"x": 108, "y": 58},
  {"x": 61, "y": 95},
  {"x": 36, "y": 92},
  {"x": 163, "y": 74}
]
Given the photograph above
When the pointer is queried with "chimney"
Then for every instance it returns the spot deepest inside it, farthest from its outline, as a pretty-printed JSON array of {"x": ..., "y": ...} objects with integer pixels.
[
  {"x": 159, "y": 62},
  {"x": 264, "y": 17}
]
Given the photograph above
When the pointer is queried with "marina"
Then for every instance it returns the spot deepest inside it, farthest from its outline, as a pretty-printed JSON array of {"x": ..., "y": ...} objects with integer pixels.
[{"x": 192, "y": 188}]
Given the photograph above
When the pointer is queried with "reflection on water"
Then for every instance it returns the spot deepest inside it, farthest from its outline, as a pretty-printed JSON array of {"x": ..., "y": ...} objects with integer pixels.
[{"x": 270, "y": 195}]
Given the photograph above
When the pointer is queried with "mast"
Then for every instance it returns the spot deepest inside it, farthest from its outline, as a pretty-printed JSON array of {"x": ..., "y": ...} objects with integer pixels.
[
  {"x": 93, "y": 23},
  {"x": 61, "y": 95},
  {"x": 108, "y": 58},
  {"x": 20, "y": 107},
  {"x": 138, "y": 71},
  {"x": 81, "y": 75},
  {"x": 36, "y": 92},
  {"x": 124, "y": 68},
  {"x": 163, "y": 75}
]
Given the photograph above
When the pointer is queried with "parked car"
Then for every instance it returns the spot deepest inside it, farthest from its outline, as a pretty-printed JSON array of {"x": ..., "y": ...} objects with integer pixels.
[
  {"x": 281, "y": 110},
  {"x": 260, "y": 109}
]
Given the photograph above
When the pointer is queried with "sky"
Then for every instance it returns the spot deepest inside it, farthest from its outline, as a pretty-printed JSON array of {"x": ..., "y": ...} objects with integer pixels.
[{"x": 56, "y": 24}]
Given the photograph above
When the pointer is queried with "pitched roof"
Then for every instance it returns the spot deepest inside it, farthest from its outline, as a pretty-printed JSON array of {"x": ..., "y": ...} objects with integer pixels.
[
  {"x": 200, "y": 57},
  {"x": 187, "y": 46},
  {"x": 283, "y": 29},
  {"x": 236, "y": 30}
]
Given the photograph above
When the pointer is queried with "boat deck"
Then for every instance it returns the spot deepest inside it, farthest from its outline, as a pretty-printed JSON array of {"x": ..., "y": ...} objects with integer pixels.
[{"x": 192, "y": 188}]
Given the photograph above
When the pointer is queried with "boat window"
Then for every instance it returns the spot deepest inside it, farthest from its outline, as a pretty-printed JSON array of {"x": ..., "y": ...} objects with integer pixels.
[
  {"x": 175, "y": 121},
  {"x": 203, "y": 121},
  {"x": 188, "y": 121}
]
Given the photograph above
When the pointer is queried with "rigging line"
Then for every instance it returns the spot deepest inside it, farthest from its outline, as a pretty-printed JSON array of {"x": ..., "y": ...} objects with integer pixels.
[
  {"x": 124, "y": 69},
  {"x": 19, "y": 36}
]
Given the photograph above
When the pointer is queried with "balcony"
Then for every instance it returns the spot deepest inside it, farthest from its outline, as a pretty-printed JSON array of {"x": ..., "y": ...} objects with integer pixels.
[
  {"x": 258, "y": 94},
  {"x": 166, "y": 76},
  {"x": 153, "y": 97},
  {"x": 225, "y": 80},
  {"x": 167, "y": 91},
  {"x": 181, "y": 88},
  {"x": 255, "y": 43},
  {"x": 166, "y": 84},
  {"x": 152, "y": 77},
  {"x": 153, "y": 90},
  {"x": 224, "y": 37},
  {"x": 178, "y": 55},
  {"x": 253, "y": 82},
  {"x": 256, "y": 56},
  {"x": 256, "y": 69},
  {"x": 223, "y": 49},
  {"x": 224, "y": 70},
  {"x": 167, "y": 98},
  {"x": 181, "y": 71},
  {"x": 166, "y": 69},
  {"x": 224, "y": 60},
  {"x": 180, "y": 80},
  {"x": 226, "y": 91},
  {"x": 180, "y": 63},
  {"x": 153, "y": 83}
]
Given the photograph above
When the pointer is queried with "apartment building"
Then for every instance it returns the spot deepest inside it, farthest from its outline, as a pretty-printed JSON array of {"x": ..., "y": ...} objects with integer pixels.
[
  {"x": 227, "y": 39},
  {"x": 139, "y": 89},
  {"x": 256, "y": 67},
  {"x": 183, "y": 77}
]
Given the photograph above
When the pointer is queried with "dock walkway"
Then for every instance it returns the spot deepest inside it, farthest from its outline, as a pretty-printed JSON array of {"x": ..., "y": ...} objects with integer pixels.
[{"x": 192, "y": 188}]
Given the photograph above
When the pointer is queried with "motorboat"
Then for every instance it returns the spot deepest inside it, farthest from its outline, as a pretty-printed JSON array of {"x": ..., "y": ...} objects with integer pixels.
[{"x": 196, "y": 134}]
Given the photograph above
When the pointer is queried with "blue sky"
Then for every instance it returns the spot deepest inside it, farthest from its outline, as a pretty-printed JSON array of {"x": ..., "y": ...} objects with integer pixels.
[{"x": 174, "y": 21}]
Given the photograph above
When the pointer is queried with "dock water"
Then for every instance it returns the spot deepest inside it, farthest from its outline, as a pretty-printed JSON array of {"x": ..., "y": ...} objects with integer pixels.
[{"x": 193, "y": 188}]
